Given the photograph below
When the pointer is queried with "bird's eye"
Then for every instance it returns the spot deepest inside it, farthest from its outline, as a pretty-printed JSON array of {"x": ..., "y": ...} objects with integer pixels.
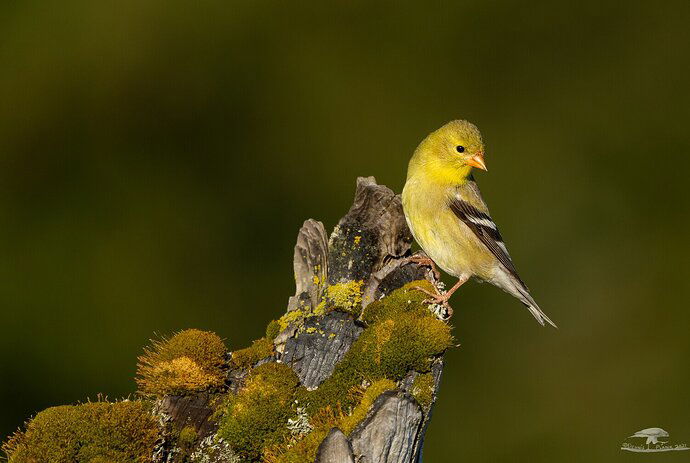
[{"x": 460, "y": 149}]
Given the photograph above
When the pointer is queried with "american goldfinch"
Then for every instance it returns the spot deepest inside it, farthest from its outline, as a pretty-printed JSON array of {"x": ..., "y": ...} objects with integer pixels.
[{"x": 449, "y": 219}]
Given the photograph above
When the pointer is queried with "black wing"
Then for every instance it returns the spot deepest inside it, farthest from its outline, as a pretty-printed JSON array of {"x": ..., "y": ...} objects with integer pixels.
[{"x": 483, "y": 226}]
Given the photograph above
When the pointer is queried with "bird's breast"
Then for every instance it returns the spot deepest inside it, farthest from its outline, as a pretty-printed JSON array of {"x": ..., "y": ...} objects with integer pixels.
[{"x": 444, "y": 238}]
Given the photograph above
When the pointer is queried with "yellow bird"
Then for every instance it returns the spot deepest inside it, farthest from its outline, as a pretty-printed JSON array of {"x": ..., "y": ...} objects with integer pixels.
[{"x": 449, "y": 218}]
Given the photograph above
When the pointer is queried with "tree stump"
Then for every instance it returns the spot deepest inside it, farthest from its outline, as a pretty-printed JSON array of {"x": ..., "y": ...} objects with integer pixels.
[
  {"x": 370, "y": 245},
  {"x": 349, "y": 374}
]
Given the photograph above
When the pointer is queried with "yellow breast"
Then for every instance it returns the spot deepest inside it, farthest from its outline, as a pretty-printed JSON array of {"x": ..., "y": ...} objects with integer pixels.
[{"x": 444, "y": 238}]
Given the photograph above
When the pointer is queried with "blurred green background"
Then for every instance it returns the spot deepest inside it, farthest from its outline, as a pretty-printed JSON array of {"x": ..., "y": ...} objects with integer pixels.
[{"x": 157, "y": 159}]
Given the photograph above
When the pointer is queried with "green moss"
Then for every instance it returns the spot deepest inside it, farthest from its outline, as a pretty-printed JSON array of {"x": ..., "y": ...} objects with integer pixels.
[
  {"x": 247, "y": 358},
  {"x": 405, "y": 299},
  {"x": 423, "y": 389},
  {"x": 403, "y": 335},
  {"x": 100, "y": 432},
  {"x": 187, "y": 437},
  {"x": 350, "y": 422},
  {"x": 304, "y": 450},
  {"x": 190, "y": 361},
  {"x": 257, "y": 416},
  {"x": 273, "y": 329}
]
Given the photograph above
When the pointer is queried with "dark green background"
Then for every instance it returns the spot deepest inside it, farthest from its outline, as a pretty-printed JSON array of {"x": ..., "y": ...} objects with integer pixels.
[{"x": 157, "y": 159}]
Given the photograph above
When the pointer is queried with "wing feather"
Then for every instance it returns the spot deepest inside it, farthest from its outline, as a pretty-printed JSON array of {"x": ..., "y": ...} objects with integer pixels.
[{"x": 485, "y": 229}]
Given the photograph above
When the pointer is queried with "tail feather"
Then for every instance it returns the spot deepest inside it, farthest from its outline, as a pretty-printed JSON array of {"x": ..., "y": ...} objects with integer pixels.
[
  {"x": 533, "y": 308},
  {"x": 540, "y": 315},
  {"x": 511, "y": 284}
]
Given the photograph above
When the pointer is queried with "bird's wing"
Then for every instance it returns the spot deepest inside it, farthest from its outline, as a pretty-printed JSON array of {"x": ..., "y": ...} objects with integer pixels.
[
  {"x": 467, "y": 204},
  {"x": 483, "y": 227}
]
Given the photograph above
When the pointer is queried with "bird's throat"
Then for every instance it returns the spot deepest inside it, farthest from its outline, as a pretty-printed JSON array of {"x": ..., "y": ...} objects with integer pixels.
[{"x": 442, "y": 174}]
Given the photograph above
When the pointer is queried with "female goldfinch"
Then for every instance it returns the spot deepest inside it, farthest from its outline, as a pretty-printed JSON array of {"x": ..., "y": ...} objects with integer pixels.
[{"x": 449, "y": 218}]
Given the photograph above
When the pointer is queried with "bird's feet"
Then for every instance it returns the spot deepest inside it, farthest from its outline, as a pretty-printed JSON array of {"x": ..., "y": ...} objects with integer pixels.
[
  {"x": 440, "y": 300},
  {"x": 423, "y": 260}
]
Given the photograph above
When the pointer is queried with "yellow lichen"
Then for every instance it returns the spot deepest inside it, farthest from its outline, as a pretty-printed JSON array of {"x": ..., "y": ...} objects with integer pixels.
[
  {"x": 346, "y": 296},
  {"x": 289, "y": 318}
]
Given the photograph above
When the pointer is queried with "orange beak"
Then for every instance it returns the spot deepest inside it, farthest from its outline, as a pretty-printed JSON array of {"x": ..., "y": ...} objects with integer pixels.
[{"x": 477, "y": 161}]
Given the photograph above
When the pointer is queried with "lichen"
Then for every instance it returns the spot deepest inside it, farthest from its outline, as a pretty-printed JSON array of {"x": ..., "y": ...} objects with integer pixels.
[
  {"x": 98, "y": 432},
  {"x": 248, "y": 357},
  {"x": 190, "y": 361},
  {"x": 290, "y": 318},
  {"x": 213, "y": 450},
  {"x": 258, "y": 415},
  {"x": 304, "y": 450},
  {"x": 346, "y": 297},
  {"x": 423, "y": 389}
]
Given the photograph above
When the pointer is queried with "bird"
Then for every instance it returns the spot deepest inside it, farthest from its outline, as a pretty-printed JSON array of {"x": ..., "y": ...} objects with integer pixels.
[{"x": 449, "y": 219}]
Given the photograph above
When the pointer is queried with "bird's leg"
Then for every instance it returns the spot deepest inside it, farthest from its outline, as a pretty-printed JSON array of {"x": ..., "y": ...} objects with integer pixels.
[
  {"x": 426, "y": 262},
  {"x": 442, "y": 299}
]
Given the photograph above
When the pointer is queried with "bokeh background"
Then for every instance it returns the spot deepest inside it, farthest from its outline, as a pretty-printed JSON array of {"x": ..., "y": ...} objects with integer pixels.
[{"x": 157, "y": 159}]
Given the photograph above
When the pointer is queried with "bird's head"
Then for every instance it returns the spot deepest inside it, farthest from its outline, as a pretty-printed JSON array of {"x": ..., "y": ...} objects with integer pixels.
[{"x": 450, "y": 153}]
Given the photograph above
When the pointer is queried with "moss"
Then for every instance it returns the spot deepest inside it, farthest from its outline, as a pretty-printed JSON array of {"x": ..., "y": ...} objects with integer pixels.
[
  {"x": 405, "y": 299},
  {"x": 100, "y": 432},
  {"x": 247, "y": 358},
  {"x": 273, "y": 329},
  {"x": 257, "y": 416},
  {"x": 403, "y": 335},
  {"x": 349, "y": 423},
  {"x": 187, "y": 437},
  {"x": 304, "y": 449},
  {"x": 423, "y": 389},
  {"x": 190, "y": 361}
]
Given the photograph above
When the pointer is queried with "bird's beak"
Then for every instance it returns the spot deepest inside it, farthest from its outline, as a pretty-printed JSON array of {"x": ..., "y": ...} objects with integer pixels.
[{"x": 477, "y": 161}]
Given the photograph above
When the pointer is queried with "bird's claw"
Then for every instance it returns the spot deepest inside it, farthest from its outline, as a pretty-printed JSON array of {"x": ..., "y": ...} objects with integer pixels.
[
  {"x": 426, "y": 262},
  {"x": 440, "y": 300}
]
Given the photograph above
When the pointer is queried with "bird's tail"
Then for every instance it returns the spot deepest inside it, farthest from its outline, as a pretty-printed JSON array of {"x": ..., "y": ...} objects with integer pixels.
[{"x": 532, "y": 306}]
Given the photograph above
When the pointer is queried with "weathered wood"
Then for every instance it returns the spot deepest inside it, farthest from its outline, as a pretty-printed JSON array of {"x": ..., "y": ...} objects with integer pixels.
[
  {"x": 310, "y": 264},
  {"x": 322, "y": 344},
  {"x": 389, "y": 432},
  {"x": 189, "y": 410},
  {"x": 373, "y": 232},
  {"x": 335, "y": 448}
]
